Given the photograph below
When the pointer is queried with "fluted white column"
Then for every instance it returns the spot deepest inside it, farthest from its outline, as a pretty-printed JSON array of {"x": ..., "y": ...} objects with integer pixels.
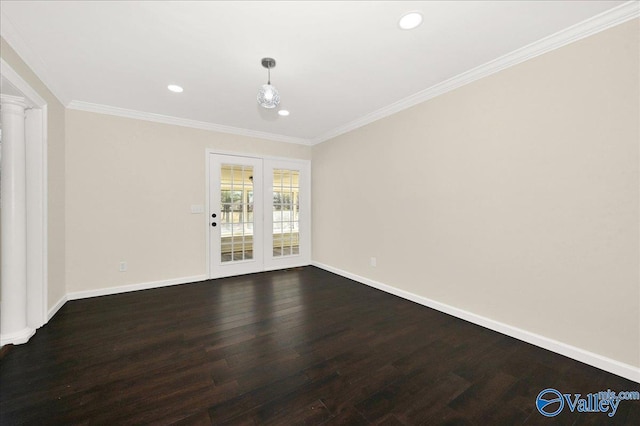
[{"x": 13, "y": 311}]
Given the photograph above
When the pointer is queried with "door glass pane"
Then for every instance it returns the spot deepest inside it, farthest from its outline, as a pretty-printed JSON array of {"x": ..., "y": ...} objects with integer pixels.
[
  {"x": 286, "y": 190},
  {"x": 236, "y": 221}
]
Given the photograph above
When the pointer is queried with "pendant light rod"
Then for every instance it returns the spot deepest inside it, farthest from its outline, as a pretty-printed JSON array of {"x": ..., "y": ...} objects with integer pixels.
[{"x": 268, "y": 63}]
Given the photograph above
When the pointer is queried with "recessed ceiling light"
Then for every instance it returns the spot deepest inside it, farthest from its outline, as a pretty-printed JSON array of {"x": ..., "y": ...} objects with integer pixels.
[
  {"x": 283, "y": 112},
  {"x": 175, "y": 88},
  {"x": 410, "y": 20}
]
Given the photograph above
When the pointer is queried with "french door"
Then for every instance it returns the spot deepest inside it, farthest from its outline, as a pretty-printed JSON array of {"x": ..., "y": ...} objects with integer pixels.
[{"x": 259, "y": 214}]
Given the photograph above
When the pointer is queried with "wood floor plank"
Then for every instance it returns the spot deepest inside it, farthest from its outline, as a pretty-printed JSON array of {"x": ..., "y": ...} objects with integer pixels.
[{"x": 300, "y": 346}]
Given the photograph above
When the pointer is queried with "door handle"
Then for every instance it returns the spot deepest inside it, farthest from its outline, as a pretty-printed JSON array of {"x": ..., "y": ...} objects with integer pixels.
[
  {"x": 213, "y": 215},
  {"x": 213, "y": 224}
]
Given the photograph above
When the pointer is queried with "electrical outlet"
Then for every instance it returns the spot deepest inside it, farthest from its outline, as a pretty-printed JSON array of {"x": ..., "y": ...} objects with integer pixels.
[
  {"x": 374, "y": 262},
  {"x": 123, "y": 266}
]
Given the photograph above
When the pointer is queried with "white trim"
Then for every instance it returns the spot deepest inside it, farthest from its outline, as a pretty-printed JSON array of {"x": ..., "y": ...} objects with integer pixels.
[
  {"x": 18, "y": 337},
  {"x": 121, "y": 289},
  {"x": 45, "y": 208},
  {"x": 244, "y": 154},
  {"x": 10, "y": 34},
  {"x": 175, "y": 121},
  {"x": 36, "y": 193},
  {"x": 607, "y": 364},
  {"x": 55, "y": 308},
  {"x": 134, "y": 287},
  {"x": 14, "y": 100},
  {"x": 207, "y": 207},
  {"x": 32, "y": 97},
  {"x": 593, "y": 25},
  {"x": 212, "y": 151},
  {"x": 36, "y": 132},
  {"x": 288, "y": 266}
]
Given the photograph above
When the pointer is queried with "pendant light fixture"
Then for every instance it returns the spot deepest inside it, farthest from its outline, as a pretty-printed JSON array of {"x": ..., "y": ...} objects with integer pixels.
[{"x": 268, "y": 96}]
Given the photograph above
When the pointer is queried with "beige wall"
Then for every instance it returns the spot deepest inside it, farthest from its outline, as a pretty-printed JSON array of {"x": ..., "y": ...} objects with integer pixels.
[
  {"x": 56, "y": 174},
  {"x": 130, "y": 186},
  {"x": 514, "y": 197}
]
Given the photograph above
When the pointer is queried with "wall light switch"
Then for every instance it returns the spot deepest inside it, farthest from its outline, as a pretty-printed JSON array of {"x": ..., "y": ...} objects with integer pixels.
[
  {"x": 197, "y": 208},
  {"x": 374, "y": 262}
]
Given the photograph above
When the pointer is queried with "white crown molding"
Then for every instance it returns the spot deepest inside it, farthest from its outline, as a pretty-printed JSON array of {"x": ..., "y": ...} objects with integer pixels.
[
  {"x": 593, "y": 25},
  {"x": 166, "y": 119},
  {"x": 604, "y": 363},
  {"x": 33, "y": 61},
  {"x": 32, "y": 97},
  {"x": 601, "y": 22}
]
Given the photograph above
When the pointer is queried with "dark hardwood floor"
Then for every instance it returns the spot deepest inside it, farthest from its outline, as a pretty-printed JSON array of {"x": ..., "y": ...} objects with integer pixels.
[{"x": 301, "y": 346}]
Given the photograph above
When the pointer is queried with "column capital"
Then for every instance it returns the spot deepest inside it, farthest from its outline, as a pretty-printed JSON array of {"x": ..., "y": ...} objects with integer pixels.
[{"x": 13, "y": 100}]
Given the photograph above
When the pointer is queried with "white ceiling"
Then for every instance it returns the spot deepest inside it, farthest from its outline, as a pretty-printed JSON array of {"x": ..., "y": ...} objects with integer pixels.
[{"x": 337, "y": 62}]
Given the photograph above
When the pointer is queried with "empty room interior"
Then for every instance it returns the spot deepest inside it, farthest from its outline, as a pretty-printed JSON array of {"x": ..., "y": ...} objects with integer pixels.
[{"x": 319, "y": 212}]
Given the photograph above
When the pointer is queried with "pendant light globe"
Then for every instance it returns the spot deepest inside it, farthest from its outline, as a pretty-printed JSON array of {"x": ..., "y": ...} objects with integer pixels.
[{"x": 268, "y": 96}]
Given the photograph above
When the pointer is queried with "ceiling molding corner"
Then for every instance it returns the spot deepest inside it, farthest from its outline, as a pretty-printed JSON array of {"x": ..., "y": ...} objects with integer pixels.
[
  {"x": 183, "y": 122},
  {"x": 33, "y": 97},
  {"x": 11, "y": 36},
  {"x": 586, "y": 28}
]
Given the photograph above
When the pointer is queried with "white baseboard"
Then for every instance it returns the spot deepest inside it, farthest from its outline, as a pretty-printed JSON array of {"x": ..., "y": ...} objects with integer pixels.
[
  {"x": 18, "y": 337},
  {"x": 55, "y": 308},
  {"x": 283, "y": 267},
  {"x": 607, "y": 364},
  {"x": 121, "y": 289},
  {"x": 133, "y": 287}
]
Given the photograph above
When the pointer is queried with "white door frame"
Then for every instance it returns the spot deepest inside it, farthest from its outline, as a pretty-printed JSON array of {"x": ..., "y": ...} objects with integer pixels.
[
  {"x": 305, "y": 185},
  {"x": 36, "y": 184}
]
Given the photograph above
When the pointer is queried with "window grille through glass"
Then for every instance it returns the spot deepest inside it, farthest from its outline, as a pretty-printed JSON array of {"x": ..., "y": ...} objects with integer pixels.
[
  {"x": 286, "y": 212},
  {"x": 236, "y": 215}
]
